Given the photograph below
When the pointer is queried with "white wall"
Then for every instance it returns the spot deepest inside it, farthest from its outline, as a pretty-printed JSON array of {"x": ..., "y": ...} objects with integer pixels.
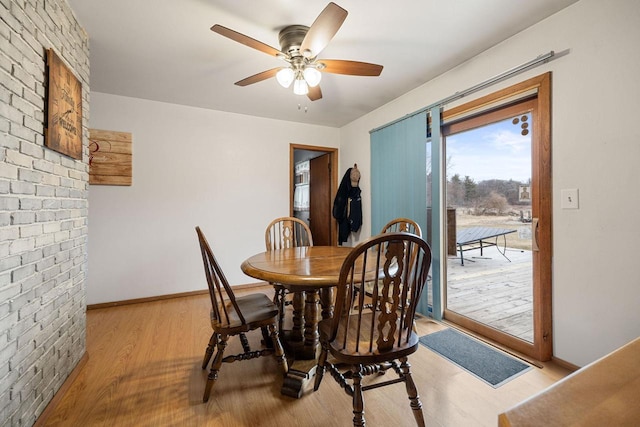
[
  {"x": 227, "y": 173},
  {"x": 596, "y": 148}
]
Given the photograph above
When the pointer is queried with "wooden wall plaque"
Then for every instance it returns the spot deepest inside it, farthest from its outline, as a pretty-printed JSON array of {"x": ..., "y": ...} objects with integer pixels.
[
  {"x": 110, "y": 157},
  {"x": 63, "y": 131}
]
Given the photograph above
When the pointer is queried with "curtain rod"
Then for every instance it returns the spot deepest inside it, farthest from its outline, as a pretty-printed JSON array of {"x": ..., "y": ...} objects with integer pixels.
[{"x": 509, "y": 73}]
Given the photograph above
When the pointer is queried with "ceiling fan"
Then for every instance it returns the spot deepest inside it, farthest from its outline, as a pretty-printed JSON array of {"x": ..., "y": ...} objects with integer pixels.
[{"x": 300, "y": 47}]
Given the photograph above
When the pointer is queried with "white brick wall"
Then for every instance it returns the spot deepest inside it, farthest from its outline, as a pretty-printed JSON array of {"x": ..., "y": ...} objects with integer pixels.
[{"x": 43, "y": 213}]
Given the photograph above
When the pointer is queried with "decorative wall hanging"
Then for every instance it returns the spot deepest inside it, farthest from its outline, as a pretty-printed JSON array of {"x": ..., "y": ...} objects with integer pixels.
[
  {"x": 63, "y": 130},
  {"x": 110, "y": 156}
]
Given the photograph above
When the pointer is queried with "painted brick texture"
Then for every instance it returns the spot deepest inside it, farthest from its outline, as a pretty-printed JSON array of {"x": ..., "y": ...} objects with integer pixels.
[{"x": 43, "y": 213}]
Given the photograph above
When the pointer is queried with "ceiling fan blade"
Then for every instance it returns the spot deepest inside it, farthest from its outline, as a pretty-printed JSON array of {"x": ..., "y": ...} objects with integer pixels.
[
  {"x": 245, "y": 40},
  {"x": 352, "y": 68},
  {"x": 314, "y": 93},
  {"x": 323, "y": 29},
  {"x": 258, "y": 77}
]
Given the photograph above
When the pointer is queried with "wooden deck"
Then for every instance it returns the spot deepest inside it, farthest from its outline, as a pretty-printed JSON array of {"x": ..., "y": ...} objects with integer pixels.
[{"x": 493, "y": 290}]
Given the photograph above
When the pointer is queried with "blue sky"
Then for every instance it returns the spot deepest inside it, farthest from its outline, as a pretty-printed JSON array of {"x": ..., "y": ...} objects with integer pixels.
[{"x": 495, "y": 151}]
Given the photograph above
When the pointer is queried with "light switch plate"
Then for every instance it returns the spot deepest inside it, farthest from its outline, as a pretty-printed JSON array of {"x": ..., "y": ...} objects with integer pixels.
[{"x": 569, "y": 198}]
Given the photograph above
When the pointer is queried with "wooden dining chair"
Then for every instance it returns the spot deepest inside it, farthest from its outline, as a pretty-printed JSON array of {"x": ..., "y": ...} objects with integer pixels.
[
  {"x": 234, "y": 316},
  {"x": 362, "y": 341},
  {"x": 281, "y": 233},
  {"x": 396, "y": 225},
  {"x": 402, "y": 225},
  {"x": 287, "y": 232}
]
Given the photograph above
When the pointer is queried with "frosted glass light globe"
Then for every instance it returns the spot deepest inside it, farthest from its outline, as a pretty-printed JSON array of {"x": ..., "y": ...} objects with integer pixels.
[
  {"x": 300, "y": 87},
  {"x": 285, "y": 77},
  {"x": 312, "y": 76}
]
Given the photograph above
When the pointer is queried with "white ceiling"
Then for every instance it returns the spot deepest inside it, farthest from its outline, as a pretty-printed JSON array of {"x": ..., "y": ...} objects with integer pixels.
[{"x": 164, "y": 50}]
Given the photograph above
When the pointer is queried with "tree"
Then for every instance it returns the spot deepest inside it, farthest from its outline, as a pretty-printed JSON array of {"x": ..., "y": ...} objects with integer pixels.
[
  {"x": 470, "y": 189},
  {"x": 495, "y": 203},
  {"x": 455, "y": 191},
  {"x": 509, "y": 189}
]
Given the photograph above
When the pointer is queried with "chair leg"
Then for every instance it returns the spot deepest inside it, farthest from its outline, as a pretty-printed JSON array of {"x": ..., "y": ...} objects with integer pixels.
[
  {"x": 209, "y": 351},
  {"x": 358, "y": 399},
  {"x": 276, "y": 289},
  {"x": 322, "y": 359},
  {"x": 215, "y": 367},
  {"x": 278, "y": 350},
  {"x": 266, "y": 337},
  {"x": 412, "y": 392},
  {"x": 279, "y": 299},
  {"x": 245, "y": 342},
  {"x": 281, "y": 307}
]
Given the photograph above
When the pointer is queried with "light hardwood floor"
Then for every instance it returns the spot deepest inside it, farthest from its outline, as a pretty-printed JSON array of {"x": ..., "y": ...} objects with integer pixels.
[{"x": 144, "y": 369}]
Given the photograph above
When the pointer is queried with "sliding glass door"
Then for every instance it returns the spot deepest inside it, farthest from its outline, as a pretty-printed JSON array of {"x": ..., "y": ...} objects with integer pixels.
[
  {"x": 497, "y": 277},
  {"x": 488, "y": 194},
  {"x": 467, "y": 183}
]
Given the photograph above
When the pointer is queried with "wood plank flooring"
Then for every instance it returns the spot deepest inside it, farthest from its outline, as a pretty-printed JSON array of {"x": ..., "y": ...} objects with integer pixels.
[
  {"x": 494, "y": 290},
  {"x": 144, "y": 369}
]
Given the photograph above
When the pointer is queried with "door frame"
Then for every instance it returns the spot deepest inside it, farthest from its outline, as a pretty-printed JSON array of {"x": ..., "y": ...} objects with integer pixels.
[
  {"x": 333, "y": 153},
  {"x": 542, "y": 347}
]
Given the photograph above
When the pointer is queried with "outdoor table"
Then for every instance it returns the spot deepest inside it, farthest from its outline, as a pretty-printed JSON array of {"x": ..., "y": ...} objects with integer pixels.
[{"x": 478, "y": 238}]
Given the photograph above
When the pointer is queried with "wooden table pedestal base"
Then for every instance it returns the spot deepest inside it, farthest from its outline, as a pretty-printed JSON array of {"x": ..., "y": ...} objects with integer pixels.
[{"x": 302, "y": 346}]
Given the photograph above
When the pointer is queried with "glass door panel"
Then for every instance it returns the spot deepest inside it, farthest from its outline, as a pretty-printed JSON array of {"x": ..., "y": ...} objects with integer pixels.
[{"x": 489, "y": 276}]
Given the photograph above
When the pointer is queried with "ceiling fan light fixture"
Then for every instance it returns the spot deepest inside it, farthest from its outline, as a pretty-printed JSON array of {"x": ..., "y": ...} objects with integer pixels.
[
  {"x": 312, "y": 76},
  {"x": 285, "y": 77},
  {"x": 299, "y": 48},
  {"x": 300, "y": 87}
]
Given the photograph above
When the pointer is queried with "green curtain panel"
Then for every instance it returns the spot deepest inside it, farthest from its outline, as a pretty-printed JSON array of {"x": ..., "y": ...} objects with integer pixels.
[
  {"x": 399, "y": 167},
  {"x": 399, "y": 172}
]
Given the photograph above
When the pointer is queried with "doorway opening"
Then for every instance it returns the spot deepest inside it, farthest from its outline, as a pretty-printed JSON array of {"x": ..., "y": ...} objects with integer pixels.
[{"x": 313, "y": 182}]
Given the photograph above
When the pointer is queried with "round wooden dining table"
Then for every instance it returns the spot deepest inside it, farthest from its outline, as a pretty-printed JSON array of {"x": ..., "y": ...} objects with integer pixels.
[
  {"x": 300, "y": 268},
  {"x": 310, "y": 273}
]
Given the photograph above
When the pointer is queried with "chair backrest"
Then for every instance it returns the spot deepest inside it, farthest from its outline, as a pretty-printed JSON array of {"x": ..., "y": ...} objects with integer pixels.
[
  {"x": 287, "y": 232},
  {"x": 385, "y": 325},
  {"x": 405, "y": 225},
  {"x": 402, "y": 225},
  {"x": 223, "y": 301}
]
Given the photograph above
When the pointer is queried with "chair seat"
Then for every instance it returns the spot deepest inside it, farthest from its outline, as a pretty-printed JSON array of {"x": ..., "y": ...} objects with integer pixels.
[
  {"x": 363, "y": 355},
  {"x": 257, "y": 309}
]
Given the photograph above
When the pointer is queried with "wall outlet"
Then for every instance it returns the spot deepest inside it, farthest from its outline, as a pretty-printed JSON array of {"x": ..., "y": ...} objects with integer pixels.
[{"x": 569, "y": 198}]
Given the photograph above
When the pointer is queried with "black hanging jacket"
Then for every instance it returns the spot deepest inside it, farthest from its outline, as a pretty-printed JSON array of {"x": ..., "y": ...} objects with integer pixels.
[{"x": 347, "y": 208}]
